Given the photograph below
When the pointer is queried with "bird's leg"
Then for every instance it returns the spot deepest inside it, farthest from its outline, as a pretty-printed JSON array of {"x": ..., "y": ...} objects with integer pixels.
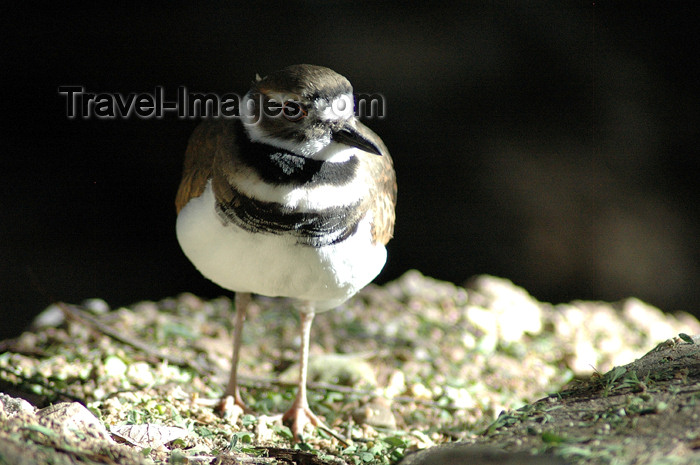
[
  {"x": 299, "y": 414},
  {"x": 233, "y": 393}
]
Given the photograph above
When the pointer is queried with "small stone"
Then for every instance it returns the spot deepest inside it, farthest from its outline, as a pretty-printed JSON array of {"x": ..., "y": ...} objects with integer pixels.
[
  {"x": 72, "y": 419},
  {"x": 419, "y": 391},
  {"x": 376, "y": 413},
  {"x": 515, "y": 312},
  {"x": 396, "y": 384},
  {"x": 51, "y": 317},
  {"x": 96, "y": 306},
  {"x": 115, "y": 367},
  {"x": 11, "y": 406},
  {"x": 141, "y": 373}
]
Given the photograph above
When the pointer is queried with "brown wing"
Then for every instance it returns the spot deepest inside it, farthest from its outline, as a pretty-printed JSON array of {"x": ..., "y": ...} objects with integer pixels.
[
  {"x": 381, "y": 170},
  {"x": 385, "y": 215},
  {"x": 199, "y": 159}
]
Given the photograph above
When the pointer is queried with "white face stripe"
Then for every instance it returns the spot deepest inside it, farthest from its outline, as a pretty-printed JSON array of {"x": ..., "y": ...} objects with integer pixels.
[
  {"x": 340, "y": 108},
  {"x": 305, "y": 149},
  {"x": 281, "y": 97},
  {"x": 257, "y": 134}
]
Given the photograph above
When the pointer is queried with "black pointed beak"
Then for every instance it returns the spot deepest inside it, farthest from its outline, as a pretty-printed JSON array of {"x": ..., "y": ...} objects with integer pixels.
[{"x": 350, "y": 136}]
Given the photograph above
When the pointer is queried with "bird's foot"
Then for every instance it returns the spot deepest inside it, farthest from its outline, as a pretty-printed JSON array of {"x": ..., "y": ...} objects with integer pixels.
[
  {"x": 298, "y": 417},
  {"x": 231, "y": 406}
]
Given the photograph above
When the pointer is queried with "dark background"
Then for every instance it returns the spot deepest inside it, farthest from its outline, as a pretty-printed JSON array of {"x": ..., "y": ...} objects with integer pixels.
[{"x": 554, "y": 144}]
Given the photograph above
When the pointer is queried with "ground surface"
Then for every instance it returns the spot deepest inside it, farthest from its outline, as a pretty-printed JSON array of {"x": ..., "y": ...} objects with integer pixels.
[{"x": 399, "y": 368}]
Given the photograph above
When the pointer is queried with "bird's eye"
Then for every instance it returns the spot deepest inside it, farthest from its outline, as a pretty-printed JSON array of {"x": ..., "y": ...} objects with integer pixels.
[{"x": 293, "y": 110}]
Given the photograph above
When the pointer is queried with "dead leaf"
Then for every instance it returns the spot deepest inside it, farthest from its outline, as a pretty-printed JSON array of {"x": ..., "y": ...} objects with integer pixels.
[{"x": 148, "y": 435}]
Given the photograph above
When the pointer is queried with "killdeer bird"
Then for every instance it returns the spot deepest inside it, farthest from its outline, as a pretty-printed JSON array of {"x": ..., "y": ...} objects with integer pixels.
[{"x": 295, "y": 203}]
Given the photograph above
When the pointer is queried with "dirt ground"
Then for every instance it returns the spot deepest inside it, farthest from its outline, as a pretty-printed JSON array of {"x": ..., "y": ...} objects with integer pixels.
[
  {"x": 478, "y": 374},
  {"x": 645, "y": 412}
]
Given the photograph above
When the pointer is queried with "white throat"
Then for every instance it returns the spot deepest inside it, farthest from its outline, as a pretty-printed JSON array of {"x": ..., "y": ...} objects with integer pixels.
[{"x": 324, "y": 148}]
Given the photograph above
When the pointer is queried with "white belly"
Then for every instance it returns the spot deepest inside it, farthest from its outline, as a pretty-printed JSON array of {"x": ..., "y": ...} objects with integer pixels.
[{"x": 275, "y": 265}]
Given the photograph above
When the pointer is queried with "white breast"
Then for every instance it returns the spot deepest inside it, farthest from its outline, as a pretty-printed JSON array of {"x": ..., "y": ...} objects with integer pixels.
[{"x": 275, "y": 265}]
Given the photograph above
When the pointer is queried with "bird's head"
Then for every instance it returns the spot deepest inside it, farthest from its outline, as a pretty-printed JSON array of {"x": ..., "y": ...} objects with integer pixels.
[{"x": 307, "y": 110}]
